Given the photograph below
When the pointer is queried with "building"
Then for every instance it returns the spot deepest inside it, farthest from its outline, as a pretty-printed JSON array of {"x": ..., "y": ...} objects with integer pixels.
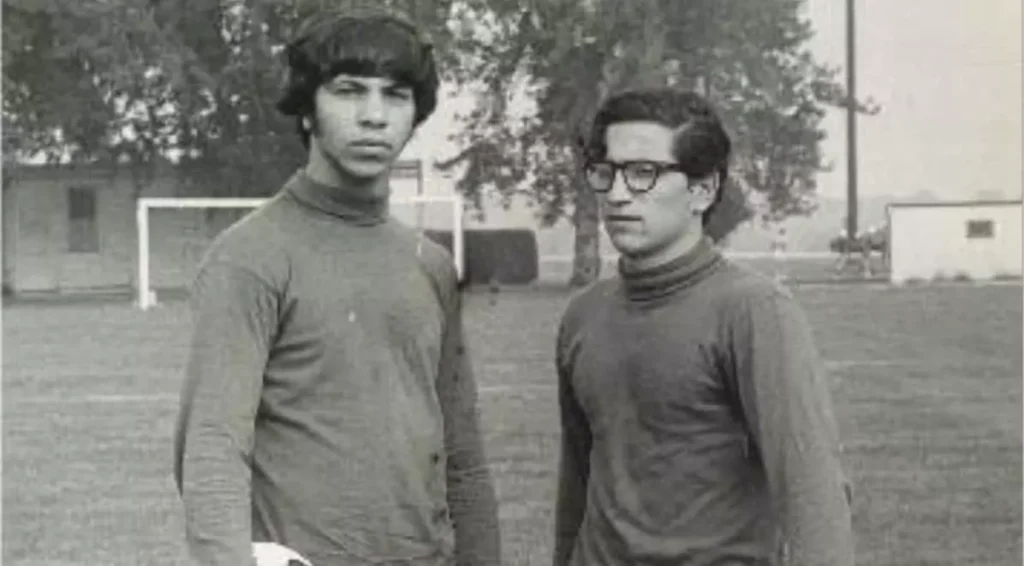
[
  {"x": 69, "y": 229},
  {"x": 72, "y": 229},
  {"x": 976, "y": 240}
]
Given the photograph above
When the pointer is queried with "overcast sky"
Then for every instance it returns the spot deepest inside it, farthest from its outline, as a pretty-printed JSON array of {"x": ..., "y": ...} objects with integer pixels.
[{"x": 948, "y": 76}]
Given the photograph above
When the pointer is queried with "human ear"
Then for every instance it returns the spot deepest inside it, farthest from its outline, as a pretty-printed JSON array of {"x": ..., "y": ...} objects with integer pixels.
[{"x": 702, "y": 192}]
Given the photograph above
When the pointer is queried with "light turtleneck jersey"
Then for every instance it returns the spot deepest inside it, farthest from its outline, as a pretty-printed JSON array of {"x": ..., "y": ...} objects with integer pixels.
[
  {"x": 697, "y": 425},
  {"x": 329, "y": 404}
]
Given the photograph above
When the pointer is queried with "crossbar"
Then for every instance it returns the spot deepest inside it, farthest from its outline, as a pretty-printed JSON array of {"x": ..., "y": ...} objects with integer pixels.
[{"x": 146, "y": 298}]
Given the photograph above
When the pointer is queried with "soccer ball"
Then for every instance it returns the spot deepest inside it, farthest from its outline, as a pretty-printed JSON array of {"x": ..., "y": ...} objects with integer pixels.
[{"x": 273, "y": 554}]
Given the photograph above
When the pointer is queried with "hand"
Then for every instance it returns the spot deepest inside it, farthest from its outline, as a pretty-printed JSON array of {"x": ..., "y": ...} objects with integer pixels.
[{"x": 273, "y": 554}]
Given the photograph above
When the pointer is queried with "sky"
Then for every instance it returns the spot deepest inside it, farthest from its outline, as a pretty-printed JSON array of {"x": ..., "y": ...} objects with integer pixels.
[{"x": 947, "y": 74}]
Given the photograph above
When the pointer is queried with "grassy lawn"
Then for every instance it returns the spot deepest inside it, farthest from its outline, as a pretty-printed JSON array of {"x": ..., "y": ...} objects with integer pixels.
[{"x": 927, "y": 384}]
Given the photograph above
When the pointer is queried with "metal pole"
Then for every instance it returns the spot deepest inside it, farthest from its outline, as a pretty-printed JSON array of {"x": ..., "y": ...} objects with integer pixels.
[
  {"x": 851, "y": 124},
  {"x": 459, "y": 239},
  {"x": 420, "y": 213},
  {"x": 142, "y": 279}
]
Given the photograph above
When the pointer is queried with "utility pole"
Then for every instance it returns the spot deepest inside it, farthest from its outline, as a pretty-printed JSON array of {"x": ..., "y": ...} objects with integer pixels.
[{"x": 851, "y": 124}]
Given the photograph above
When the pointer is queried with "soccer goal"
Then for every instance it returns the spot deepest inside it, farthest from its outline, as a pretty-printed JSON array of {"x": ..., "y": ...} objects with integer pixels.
[
  {"x": 174, "y": 232},
  {"x": 439, "y": 218}
]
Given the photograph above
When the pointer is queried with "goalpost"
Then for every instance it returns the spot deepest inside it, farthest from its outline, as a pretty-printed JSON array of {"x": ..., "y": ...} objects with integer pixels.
[{"x": 401, "y": 206}]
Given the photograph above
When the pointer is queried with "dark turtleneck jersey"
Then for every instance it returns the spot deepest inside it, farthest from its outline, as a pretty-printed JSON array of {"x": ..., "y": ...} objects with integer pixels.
[
  {"x": 697, "y": 424},
  {"x": 329, "y": 404}
]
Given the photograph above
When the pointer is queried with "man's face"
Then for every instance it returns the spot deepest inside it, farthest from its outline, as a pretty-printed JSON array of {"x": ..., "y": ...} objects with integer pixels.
[
  {"x": 662, "y": 212},
  {"x": 363, "y": 123}
]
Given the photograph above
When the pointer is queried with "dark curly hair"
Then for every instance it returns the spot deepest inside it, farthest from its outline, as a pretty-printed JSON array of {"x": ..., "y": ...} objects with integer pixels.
[
  {"x": 701, "y": 145},
  {"x": 365, "y": 42}
]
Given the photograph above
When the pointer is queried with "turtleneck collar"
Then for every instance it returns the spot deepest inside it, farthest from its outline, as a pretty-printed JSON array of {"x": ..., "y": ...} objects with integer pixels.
[
  {"x": 362, "y": 210},
  {"x": 643, "y": 285}
]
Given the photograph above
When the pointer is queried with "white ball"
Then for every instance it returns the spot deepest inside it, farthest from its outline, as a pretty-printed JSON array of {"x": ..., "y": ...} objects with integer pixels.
[{"x": 273, "y": 554}]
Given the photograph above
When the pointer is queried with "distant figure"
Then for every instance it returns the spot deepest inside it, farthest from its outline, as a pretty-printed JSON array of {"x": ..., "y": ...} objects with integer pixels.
[
  {"x": 778, "y": 247},
  {"x": 697, "y": 425},
  {"x": 867, "y": 270},
  {"x": 329, "y": 404},
  {"x": 494, "y": 286}
]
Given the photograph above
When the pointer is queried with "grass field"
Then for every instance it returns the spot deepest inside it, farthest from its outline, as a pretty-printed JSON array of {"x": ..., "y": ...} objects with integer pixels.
[{"x": 927, "y": 385}]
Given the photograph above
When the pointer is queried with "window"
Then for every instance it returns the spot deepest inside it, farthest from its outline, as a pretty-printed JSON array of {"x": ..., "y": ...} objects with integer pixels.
[
  {"x": 83, "y": 236},
  {"x": 980, "y": 229}
]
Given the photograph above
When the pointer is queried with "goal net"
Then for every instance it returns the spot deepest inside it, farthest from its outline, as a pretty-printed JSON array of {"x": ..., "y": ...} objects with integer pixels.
[{"x": 175, "y": 233}]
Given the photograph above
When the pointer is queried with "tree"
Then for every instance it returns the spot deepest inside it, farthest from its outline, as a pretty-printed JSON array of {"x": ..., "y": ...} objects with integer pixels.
[
  {"x": 199, "y": 79},
  {"x": 750, "y": 58},
  {"x": 79, "y": 82},
  {"x": 227, "y": 75},
  {"x": 133, "y": 80}
]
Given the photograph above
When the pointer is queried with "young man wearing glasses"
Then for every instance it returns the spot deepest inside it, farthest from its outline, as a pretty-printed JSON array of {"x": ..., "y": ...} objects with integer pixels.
[{"x": 697, "y": 422}]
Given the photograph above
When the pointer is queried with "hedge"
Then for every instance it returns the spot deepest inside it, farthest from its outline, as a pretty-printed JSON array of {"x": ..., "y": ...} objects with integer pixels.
[{"x": 508, "y": 257}]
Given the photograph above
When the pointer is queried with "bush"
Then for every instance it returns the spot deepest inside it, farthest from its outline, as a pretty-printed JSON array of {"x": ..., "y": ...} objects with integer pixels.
[{"x": 508, "y": 257}]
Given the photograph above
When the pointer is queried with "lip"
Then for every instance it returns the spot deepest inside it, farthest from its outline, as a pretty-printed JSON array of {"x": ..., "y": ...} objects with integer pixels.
[
  {"x": 370, "y": 144},
  {"x": 621, "y": 218}
]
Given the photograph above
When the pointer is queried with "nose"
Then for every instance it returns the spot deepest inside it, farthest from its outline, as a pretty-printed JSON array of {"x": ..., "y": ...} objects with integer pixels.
[
  {"x": 619, "y": 192},
  {"x": 372, "y": 112}
]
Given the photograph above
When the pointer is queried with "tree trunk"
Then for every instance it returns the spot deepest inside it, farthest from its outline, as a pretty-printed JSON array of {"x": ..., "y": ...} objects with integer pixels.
[
  {"x": 586, "y": 260},
  {"x": 586, "y": 263},
  {"x": 7, "y": 230},
  {"x": 649, "y": 68}
]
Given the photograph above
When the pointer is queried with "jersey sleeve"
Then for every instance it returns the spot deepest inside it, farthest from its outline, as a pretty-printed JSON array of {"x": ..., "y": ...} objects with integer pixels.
[
  {"x": 471, "y": 495},
  {"x": 787, "y": 405},
  {"x": 234, "y": 315},
  {"x": 574, "y": 456}
]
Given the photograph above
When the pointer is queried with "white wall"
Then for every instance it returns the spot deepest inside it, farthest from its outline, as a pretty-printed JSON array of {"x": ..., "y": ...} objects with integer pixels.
[
  {"x": 930, "y": 241},
  {"x": 36, "y": 244}
]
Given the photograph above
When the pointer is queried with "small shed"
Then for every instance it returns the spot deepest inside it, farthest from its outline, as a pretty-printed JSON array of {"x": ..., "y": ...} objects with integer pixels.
[{"x": 977, "y": 240}]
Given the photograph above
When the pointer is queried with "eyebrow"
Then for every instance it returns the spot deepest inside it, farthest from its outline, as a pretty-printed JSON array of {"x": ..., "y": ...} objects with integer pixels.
[{"x": 390, "y": 83}]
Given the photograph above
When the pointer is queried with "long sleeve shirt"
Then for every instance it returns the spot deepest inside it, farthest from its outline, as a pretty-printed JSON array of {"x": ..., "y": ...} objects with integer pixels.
[
  {"x": 329, "y": 404},
  {"x": 697, "y": 425}
]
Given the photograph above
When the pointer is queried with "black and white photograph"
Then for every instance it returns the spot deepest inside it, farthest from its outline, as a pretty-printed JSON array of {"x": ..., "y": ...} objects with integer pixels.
[{"x": 512, "y": 283}]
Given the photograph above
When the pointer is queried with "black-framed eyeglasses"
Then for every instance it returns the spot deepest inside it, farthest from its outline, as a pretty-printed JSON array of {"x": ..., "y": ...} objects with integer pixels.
[{"x": 640, "y": 176}]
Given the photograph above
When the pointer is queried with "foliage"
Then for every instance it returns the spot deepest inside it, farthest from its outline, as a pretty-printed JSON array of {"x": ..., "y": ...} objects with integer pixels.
[
  {"x": 132, "y": 80},
  {"x": 79, "y": 84},
  {"x": 750, "y": 58},
  {"x": 136, "y": 80}
]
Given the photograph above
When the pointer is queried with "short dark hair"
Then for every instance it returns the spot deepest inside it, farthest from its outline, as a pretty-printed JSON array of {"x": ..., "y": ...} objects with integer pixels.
[
  {"x": 366, "y": 42},
  {"x": 701, "y": 145}
]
